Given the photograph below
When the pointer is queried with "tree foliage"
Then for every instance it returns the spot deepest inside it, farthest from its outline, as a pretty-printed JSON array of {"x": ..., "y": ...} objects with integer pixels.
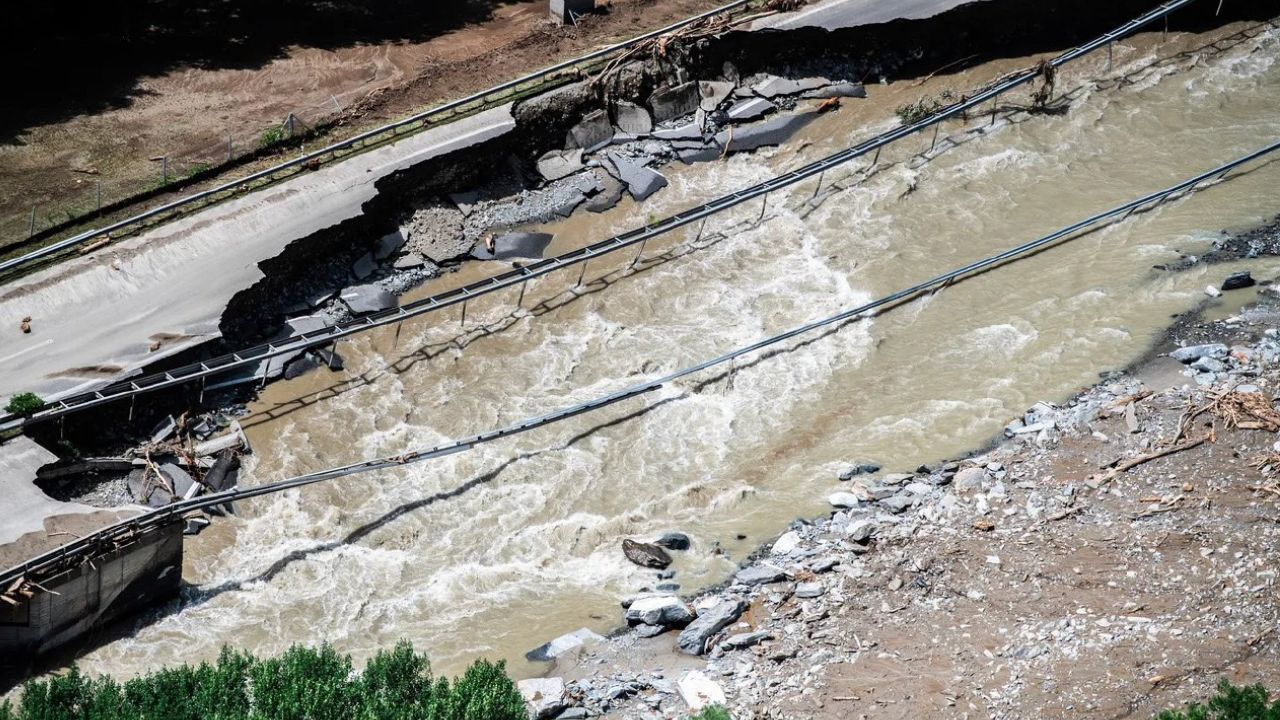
[
  {"x": 1231, "y": 703},
  {"x": 301, "y": 684},
  {"x": 24, "y": 404}
]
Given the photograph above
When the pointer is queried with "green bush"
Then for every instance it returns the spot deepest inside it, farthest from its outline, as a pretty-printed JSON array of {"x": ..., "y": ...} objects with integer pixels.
[
  {"x": 1231, "y": 703},
  {"x": 713, "y": 712},
  {"x": 271, "y": 136},
  {"x": 302, "y": 684},
  {"x": 24, "y": 404}
]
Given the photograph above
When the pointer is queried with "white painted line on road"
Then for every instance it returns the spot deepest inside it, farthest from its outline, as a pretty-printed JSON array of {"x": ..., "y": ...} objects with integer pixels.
[{"x": 7, "y": 358}]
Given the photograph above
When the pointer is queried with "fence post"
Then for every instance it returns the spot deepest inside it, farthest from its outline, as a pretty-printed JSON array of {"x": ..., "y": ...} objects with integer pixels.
[
  {"x": 229, "y": 156},
  {"x": 31, "y": 226},
  {"x": 640, "y": 252},
  {"x": 164, "y": 170},
  {"x": 99, "y": 197}
]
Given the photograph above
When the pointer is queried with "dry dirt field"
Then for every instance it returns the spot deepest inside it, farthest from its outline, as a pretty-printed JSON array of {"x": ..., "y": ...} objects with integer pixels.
[{"x": 184, "y": 83}]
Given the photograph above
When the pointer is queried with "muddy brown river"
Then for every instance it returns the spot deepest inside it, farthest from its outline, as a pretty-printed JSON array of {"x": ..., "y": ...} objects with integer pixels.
[{"x": 497, "y": 550}]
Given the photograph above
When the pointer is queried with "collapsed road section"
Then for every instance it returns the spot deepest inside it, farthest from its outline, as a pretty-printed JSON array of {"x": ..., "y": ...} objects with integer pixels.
[{"x": 499, "y": 251}]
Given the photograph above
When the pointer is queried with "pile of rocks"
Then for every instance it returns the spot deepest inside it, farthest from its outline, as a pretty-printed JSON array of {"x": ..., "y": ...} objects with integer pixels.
[{"x": 882, "y": 557}]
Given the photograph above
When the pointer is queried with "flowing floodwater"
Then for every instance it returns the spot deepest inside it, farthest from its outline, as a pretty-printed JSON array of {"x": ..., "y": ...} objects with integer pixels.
[{"x": 494, "y": 551}]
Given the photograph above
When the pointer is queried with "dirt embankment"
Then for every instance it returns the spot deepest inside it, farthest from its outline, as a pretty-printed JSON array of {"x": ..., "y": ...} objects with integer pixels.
[{"x": 180, "y": 80}]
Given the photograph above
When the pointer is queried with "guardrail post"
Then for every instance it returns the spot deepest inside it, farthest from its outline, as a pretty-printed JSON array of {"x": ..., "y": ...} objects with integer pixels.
[
  {"x": 582, "y": 274},
  {"x": 994, "y": 100},
  {"x": 204, "y": 379},
  {"x": 933, "y": 143},
  {"x": 333, "y": 354},
  {"x": 463, "y": 322},
  {"x": 520, "y": 300},
  {"x": 1110, "y": 55},
  {"x": 701, "y": 227},
  {"x": 396, "y": 342},
  {"x": 818, "y": 187},
  {"x": 764, "y": 203},
  {"x": 133, "y": 399},
  {"x": 876, "y": 160},
  {"x": 1219, "y": 12},
  {"x": 640, "y": 252}
]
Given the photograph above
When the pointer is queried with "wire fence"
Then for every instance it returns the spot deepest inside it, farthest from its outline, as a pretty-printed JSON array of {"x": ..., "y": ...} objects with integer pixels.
[{"x": 47, "y": 229}]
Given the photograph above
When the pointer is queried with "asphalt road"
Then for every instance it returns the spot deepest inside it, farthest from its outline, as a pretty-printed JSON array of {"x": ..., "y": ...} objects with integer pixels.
[{"x": 96, "y": 318}]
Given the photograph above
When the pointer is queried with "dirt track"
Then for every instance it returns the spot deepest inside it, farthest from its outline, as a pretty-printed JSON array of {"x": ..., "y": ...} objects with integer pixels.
[{"x": 189, "y": 113}]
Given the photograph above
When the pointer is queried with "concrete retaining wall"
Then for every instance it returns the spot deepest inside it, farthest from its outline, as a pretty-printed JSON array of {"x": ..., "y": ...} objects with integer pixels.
[{"x": 68, "y": 606}]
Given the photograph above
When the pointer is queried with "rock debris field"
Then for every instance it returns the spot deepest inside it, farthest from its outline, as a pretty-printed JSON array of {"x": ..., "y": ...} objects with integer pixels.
[{"x": 1107, "y": 558}]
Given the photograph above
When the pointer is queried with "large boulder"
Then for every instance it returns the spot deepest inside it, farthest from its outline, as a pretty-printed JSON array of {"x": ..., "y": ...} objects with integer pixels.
[
  {"x": 699, "y": 691},
  {"x": 645, "y": 554},
  {"x": 544, "y": 697},
  {"x": 693, "y": 639},
  {"x": 1192, "y": 353},
  {"x": 760, "y": 575},
  {"x": 562, "y": 645},
  {"x": 674, "y": 541},
  {"x": 663, "y": 610}
]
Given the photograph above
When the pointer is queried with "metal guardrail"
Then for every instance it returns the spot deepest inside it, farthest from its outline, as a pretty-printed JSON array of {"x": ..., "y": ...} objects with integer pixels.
[
  {"x": 129, "y": 529},
  {"x": 486, "y": 98},
  {"x": 459, "y": 296}
]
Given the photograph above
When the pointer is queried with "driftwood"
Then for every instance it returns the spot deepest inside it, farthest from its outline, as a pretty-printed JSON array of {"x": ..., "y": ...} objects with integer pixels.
[{"x": 1128, "y": 465}]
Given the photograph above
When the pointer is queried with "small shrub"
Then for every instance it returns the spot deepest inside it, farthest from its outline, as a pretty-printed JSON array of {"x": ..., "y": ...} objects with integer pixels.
[
  {"x": 198, "y": 169},
  {"x": 1231, "y": 703},
  {"x": 713, "y": 712},
  {"x": 24, "y": 404},
  {"x": 271, "y": 136}
]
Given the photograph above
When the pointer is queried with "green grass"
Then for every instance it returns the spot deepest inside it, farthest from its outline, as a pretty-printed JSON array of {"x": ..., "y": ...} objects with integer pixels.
[
  {"x": 1231, "y": 703},
  {"x": 713, "y": 712},
  {"x": 301, "y": 684},
  {"x": 271, "y": 136}
]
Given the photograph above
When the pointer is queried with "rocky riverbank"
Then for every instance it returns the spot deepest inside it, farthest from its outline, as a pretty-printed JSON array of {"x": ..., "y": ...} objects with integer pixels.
[{"x": 1108, "y": 557}]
